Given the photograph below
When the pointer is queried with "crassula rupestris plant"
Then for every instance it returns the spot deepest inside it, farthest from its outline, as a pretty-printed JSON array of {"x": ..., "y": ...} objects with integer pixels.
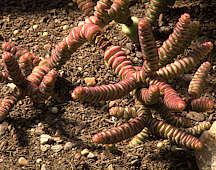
[
  {"x": 21, "y": 68},
  {"x": 147, "y": 83},
  {"x": 149, "y": 86}
]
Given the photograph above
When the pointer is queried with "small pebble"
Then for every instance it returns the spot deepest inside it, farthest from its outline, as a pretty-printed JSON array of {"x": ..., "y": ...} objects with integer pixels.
[
  {"x": 85, "y": 74},
  {"x": 3, "y": 127},
  {"x": 32, "y": 130},
  {"x": 39, "y": 130},
  {"x": 160, "y": 20},
  {"x": 43, "y": 167},
  {"x": 11, "y": 85},
  {"x": 110, "y": 167},
  {"x": 40, "y": 124},
  {"x": 45, "y": 34},
  {"x": 22, "y": 161},
  {"x": 39, "y": 160},
  {"x": 139, "y": 54},
  {"x": 57, "y": 139},
  {"x": 44, "y": 138},
  {"x": 129, "y": 46},
  {"x": 127, "y": 51},
  {"x": 90, "y": 155},
  {"x": 54, "y": 109},
  {"x": 160, "y": 145},
  {"x": 70, "y": 4},
  {"x": 77, "y": 156},
  {"x": 112, "y": 22},
  {"x": 65, "y": 27},
  {"x": 68, "y": 146},
  {"x": 9, "y": 127},
  {"x": 174, "y": 148},
  {"x": 57, "y": 148},
  {"x": 136, "y": 60},
  {"x": 35, "y": 26},
  {"x": 16, "y": 32},
  {"x": 90, "y": 81},
  {"x": 80, "y": 68},
  {"x": 84, "y": 152},
  {"x": 44, "y": 148},
  {"x": 135, "y": 162}
]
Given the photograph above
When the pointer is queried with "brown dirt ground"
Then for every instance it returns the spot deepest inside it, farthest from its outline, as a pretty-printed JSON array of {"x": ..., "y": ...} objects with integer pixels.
[{"x": 76, "y": 122}]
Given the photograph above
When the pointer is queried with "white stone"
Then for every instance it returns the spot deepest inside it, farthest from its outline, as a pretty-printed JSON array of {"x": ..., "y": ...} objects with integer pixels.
[
  {"x": 84, "y": 152},
  {"x": 35, "y": 26},
  {"x": 90, "y": 155},
  {"x": 39, "y": 160},
  {"x": 80, "y": 68},
  {"x": 44, "y": 138},
  {"x": 16, "y": 32},
  {"x": 11, "y": 85},
  {"x": 65, "y": 27},
  {"x": 45, "y": 34},
  {"x": 206, "y": 156}
]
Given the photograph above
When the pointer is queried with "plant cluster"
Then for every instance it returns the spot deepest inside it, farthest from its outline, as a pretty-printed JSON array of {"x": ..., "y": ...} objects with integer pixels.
[{"x": 36, "y": 79}]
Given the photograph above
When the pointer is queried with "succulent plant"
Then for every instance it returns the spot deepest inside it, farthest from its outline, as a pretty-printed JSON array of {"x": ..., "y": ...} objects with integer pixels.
[
  {"x": 36, "y": 79},
  {"x": 22, "y": 68},
  {"x": 149, "y": 86}
]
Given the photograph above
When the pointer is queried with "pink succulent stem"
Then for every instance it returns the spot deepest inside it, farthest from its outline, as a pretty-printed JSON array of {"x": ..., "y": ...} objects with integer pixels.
[
  {"x": 197, "y": 83},
  {"x": 199, "y": 128},
  {"x": 163, "y": 129},
  {"x": 148, "y": 46},
  {"x": 124, "y": 112},
  {"x": 182, "y": 66},
  {"x": 47, "y": 85},
  {"x": 13, "y": 69},
  {"x": 122, "y": 132},
  {"x": 171, "y": 99},
  {"x": 7, "y": 103},
  {"x": 181, "y": 38},
  {"x": 116, "y": 58},
  {"x": 104, "y": 92},
  {"x": 202, "y": 104}
]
